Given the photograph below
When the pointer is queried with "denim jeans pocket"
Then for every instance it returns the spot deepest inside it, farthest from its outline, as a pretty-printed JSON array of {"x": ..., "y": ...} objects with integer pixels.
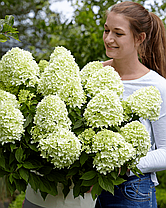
[{"x": 138, "y": 190}]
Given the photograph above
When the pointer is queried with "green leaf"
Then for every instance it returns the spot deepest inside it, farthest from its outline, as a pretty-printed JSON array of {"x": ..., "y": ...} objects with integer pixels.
[
  {"x": 76, "y": 164},
  {"x": 24, "y": 173},
  {"x": 66, "y": 188},
  {"x": 9, "y": 19},
  {"x": 137, "y": 171},
  {"x": 33, "y": 147},
  {"x": 96, "y": 191},
  {"x": 78, "y": 124},
  {"x": 32, "y": 164},
  {"x": 118, "y": 181},
  {"x": 34, "y": 181},
  {"x": 83, "y": 158},
  {"x": 2, "y": 161},
  {"x": 11, "y": 158},
  {"x": 11, "y": 186},
  {"x": 89, "y": 175},
  {"x": 20, "y": 185},
  {"x": 123, "y": 170},
  {"x": 7, "y": 28},
  {"x": 19, "y": 165},
  {"x": 43, "y": 194},
  {"x": 89, "y": 182},
  {"x": 47, "y": 186},
  {"x": 19, "y": 154},
  {"x": 11, "y": 167},
  {"x": 56, "y": 176},
  {"x": 28, "y": 120},
  {"x": 45, "y": 170},
  {"x": 12, "y": 147},
  {"x": 72, "y": 171},
  {"x": 3, "y": 38},
  {"x": 114, "y": 174},
  {"x": 16, "y": 175},
  {"x": 76, "y": 189},
  {"x": 2, "y": 173},
  {"x": 14, "y": 35},
  {"x": 11, "y": 179},
  {"x": 105, "y": 184}
]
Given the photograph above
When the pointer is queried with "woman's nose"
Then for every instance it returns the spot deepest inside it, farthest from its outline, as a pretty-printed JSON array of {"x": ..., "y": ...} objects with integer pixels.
[{"x": 109, "y": 38}]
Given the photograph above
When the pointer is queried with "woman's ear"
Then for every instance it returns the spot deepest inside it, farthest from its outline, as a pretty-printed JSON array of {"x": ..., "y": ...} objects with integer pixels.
[{"x": 140, "y": 39}]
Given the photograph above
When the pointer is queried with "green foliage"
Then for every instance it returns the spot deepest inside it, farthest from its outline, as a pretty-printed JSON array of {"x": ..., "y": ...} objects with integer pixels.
[
  {"x": 161, "y": 189},
  {"x": 161, "y": 197},
  {"x": 17, "y": 203},
  {"x": 6, "y": 29}
]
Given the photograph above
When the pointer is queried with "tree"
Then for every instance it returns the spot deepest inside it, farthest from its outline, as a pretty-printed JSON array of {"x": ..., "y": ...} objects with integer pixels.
[
  {"x": 6, "y": 29},
  {"x": 35, "y": 22}
]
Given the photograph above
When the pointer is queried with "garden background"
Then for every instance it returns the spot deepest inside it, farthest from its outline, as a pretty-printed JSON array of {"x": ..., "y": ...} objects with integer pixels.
[{"x": 41, "y": 30}]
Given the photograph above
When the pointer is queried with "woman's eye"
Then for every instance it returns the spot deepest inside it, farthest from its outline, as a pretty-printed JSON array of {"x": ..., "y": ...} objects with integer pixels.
[
  {"x": 119, "y": 34},
  {"x": 106, "y": 31}
]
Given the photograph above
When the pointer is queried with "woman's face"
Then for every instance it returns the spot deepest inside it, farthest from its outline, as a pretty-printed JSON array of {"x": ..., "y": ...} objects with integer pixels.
[{"x": 118, "y": 37}]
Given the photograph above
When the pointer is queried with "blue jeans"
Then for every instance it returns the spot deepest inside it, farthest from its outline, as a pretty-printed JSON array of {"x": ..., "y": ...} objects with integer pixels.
[{"x": 133, "y": 193}]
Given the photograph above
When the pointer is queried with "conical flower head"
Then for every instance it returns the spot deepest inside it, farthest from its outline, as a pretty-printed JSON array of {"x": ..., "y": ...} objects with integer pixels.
[
  {"x": 51, "y": 114},
  {"x": 104, "y": 110},
  {"x": 62, "y": 148},
  {"x": 18, "y": 67},
  {"x": 145, "y": 102},
  {"x": 62, "y": 77}
]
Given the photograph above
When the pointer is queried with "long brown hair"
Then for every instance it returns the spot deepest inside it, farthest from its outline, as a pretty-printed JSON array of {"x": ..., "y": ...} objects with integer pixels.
[{"x": 152, "y": 51}]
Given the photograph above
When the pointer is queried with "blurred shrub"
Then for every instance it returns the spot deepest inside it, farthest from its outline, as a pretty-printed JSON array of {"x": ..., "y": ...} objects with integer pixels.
[
  {"x": 17, "y": 203},
  {"x": 161, "y": 189}
]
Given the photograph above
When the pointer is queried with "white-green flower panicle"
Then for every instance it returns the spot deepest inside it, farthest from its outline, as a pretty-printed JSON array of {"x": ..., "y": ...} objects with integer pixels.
[
  {"x": 86, "y": 138},
  {"x": 18, "y": 67},
  {"x": 111, "y": 151},
  {"x": 104, "y": 110},
  {"x": 9, "y": 99},
  {"x": 62, "y": 148},
  {"x": 146, "y": 102},
  {"x": 88, "y": 70},
  {"x": 62, "y": 77},
  {"x": 11, "y": 119},
  {"x": 51, "y": 114},
  {"x": 105, "y": 78},
  {"x": 136, "y": 134}
]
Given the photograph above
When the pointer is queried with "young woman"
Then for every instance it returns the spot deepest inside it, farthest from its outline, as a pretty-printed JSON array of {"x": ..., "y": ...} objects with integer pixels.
[{"x": 135, "y": 42}]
